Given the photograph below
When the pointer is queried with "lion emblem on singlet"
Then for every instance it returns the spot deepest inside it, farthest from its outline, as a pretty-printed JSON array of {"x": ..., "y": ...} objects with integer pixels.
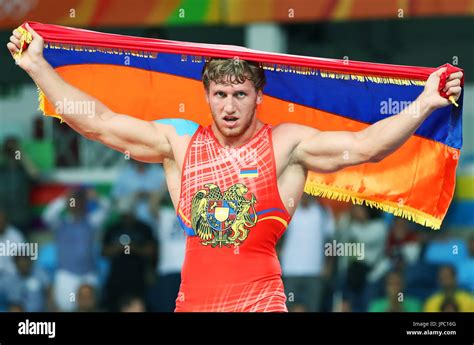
[{"x": 223, "y": 219}]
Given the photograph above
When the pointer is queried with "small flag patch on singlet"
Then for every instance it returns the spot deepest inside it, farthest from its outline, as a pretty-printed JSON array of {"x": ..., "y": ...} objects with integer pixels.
[{"x": 249, "y": 172}]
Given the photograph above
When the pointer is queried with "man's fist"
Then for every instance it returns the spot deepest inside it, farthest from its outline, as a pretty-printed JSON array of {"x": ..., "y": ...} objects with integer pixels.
[
  {"x": 452, "y": 88},
  {"x": 30, "y": 57}
]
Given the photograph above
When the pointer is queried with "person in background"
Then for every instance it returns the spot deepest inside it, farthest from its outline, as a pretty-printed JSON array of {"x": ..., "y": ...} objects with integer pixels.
[
  {"x": 86, "y": 298},
  {"x": 395, "y": 299},
  {"x": 75, "y": 231},
  {"x": 17, "y": 175},
  {"x": 403, "y": 245},
  {"x": 304, "y": 265},
  {"x": 142, "y": 183},
  {"x": 364, "y": 274},
  {"x": 8, "y": 234},
  {"x": 15, "y": 308},
  {"x": 449, "y": 305},
  {"x": 131, "y": 248},
  {"x": 465, "y": 267},
  {"x": 298, "y": 307},
  {"x": 172, "y": 247},
  {"x": 463, "y": 300},
  {"x": 29, "y": 287},
  {"x": 132, "y": 304}
]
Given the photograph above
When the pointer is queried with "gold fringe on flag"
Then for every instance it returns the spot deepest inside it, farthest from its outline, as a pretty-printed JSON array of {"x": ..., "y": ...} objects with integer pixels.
[
  {"x": 395, "y": 209},
  {"x": 41, "y": 105}
]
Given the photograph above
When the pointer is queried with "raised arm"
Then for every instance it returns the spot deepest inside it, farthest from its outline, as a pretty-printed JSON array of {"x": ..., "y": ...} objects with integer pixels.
[
  {"x": 332, "y": 151},
  {"x": 142, "y": 140}
]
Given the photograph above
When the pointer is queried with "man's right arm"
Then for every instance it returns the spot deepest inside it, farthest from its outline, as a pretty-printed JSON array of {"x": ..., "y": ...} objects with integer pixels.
[{"x": 142, "y": 140}]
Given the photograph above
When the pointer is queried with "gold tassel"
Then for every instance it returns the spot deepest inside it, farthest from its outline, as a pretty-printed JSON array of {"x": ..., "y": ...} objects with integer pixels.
[
  {"x": 399, "y": 211},
  {"x": 41, "y": 104},
  {"x": 27, "y": 38}
]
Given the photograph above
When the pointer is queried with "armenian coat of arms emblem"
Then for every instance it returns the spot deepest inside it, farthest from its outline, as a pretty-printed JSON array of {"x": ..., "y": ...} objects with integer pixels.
[{"x": 223, "y": 219}]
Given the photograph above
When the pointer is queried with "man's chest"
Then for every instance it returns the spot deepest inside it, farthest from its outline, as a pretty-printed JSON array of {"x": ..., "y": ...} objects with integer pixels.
[{"x": 290, "y": 178}]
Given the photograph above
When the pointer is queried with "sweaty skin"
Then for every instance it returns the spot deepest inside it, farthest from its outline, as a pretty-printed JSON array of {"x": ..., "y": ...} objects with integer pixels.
[{"x": 298, "y": 149}]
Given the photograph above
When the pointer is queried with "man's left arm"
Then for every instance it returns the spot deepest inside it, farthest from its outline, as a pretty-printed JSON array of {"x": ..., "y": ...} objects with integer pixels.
[{"x": 332, "y": 151}]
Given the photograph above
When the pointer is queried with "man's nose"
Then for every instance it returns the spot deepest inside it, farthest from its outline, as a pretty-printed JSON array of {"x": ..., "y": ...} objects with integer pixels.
[{"x": 229, "y": 107}]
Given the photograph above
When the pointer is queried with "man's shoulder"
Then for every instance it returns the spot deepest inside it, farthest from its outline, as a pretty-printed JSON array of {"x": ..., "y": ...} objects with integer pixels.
[
  {"x": 291, "y": 132},
  {"x": 293, "y": 128}
]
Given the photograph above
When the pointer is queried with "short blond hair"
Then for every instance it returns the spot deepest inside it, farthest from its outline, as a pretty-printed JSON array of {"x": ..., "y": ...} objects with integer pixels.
[{"x": 235, "y": 71}]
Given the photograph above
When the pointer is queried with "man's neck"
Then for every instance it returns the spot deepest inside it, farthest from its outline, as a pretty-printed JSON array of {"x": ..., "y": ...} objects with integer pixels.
[{"x": 241, "y": 139}]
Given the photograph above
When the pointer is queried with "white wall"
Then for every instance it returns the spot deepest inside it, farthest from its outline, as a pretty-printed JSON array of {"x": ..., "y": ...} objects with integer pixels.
[
  {"x": 17, "y": 113},
  {"x": 267, "y": 37}
]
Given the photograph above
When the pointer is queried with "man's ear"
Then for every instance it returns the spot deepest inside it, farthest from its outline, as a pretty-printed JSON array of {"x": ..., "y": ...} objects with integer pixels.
[
  {"x": 206, "y": 95},
  {"x": 259, "y": 96}
]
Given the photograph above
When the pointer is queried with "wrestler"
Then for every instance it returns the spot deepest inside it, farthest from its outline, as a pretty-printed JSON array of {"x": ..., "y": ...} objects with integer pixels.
[{"x": 236, "y": 183}]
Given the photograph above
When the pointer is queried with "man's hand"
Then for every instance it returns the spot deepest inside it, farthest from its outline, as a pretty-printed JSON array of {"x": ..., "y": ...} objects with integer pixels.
[
  {"x": 452, "y": 88},
  {"x": 33, "y": 55}
]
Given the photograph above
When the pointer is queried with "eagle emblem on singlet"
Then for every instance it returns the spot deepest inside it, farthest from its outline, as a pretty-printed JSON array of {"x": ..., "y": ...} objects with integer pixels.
[{"x": 223, "y": 219}]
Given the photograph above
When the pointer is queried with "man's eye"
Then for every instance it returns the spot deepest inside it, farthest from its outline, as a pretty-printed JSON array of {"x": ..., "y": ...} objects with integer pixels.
[
  {"x": 220, "y": 94},
  {"x": 241, "y": 94}
]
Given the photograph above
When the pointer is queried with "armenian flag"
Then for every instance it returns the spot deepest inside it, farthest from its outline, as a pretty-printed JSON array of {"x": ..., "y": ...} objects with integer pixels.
[{"x": 155, "y": 79}]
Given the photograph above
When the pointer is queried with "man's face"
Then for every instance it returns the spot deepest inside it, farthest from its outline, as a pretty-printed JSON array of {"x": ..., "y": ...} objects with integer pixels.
[
  {"x": 446, "y": 278},
  {"x": 86, "y": 298},
  {"x": 359, "y": 213},
  {"x": 233, "y": 106},
  {"x": 394, "y": 285},
  {"x": 470, "y": 246},
  {"x": 23, "y": 265},
  {"x": 10, "y": 146}
]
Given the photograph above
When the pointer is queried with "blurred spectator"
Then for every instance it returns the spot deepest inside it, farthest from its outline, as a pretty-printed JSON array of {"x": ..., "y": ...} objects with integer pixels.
[
  {"x": 449, "y": 305},
  {"x": 463, "y": 300},
  {"x": 29, "y": 287},
  {"x": 15, "y": 308},
  {"x": 8, "y": 235},
  {"x": 86, "y": 298},
  {"x": 421, "y": 279},
  {"x": 131, "y": 304},
  {"x": 17, "y": 173},
  {"x": 140, "y": 182},
  {"x": 342, "y": 305},
  {"x": 75, "y": 231},
  {"x": 4, "y": 305},
  {"x": 465, "y": 267},
  {"x": 297, "y": 307},
  {"x": 365, "y": 226},
  {"x": 172, "y": 244},
  {"x": 395, "y": 299},
  {"x": 302, "y": 253},
  {"x": 131, "y": 248},
  {"x": 403, "y": 246}
]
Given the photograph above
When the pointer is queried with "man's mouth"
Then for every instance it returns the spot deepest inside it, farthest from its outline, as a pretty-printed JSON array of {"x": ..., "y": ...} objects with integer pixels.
[
  {"x": 230, "y": 118},
  {"x": 230, "y": 121}
]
